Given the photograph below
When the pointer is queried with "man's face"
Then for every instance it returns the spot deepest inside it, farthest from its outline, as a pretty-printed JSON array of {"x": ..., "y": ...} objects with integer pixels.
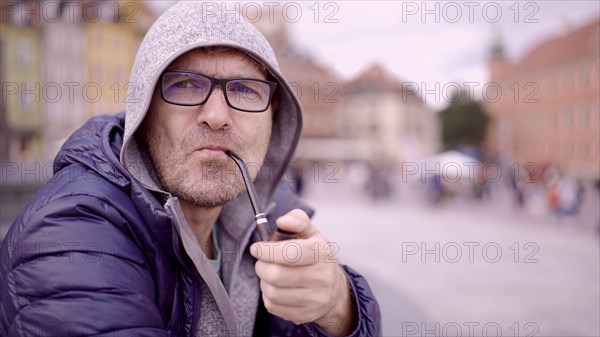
[{"x": 187, "y": 143}]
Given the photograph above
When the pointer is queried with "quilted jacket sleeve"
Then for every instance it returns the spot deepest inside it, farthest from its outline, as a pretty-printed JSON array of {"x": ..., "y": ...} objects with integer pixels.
[
  {"x": 369, "y": 315},
  {"x": 68, "y": 269}
]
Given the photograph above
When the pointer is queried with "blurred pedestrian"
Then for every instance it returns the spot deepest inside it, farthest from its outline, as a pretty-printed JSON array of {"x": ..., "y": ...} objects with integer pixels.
[
  {"x": 515, "y": 185},
  {"x": 569, "y": 196}
]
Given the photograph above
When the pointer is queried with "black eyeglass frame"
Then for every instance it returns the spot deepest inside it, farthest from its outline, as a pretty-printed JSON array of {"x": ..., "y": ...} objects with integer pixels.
[{"x": 213, "y": 83}]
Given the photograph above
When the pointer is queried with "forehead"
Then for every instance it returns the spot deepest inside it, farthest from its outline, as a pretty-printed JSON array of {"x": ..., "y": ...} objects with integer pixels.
[{"x": 220, "y": 62}]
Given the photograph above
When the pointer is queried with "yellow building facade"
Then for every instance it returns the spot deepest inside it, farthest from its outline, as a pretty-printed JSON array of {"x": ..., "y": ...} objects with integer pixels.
[
  {"x": 22, "y": 89},
  {"x": 110, "y": 51},
  {"x": 61, "y": 68}
]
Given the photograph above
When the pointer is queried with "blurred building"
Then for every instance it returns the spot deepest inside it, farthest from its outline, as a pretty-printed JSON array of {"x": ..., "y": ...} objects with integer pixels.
[
  {"x": 372, "y": 118},
  {"x": 63, "y": 45},
  {"x": 387, "y": 121},
  {"x": 111, "y": 47},
  {"x": 22, "y": 104},
  {"x": 63, "y": 62},
  {"x": 549, "y": 109},
  {"x": 315, "y": 86}
]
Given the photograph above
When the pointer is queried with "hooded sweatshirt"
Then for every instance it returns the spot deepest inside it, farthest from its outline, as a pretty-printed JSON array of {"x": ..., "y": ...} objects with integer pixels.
[
  {"x": 102, "y": 249},
  {"x": 186, "y": 26}
]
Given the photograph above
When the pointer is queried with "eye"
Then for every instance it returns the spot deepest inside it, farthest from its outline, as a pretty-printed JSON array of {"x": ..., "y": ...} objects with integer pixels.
[
  {"x": 182, "y": 81},
  {"x": 242, "y": 88},
  {"x": 189, "y": 84},
  {"x": 182, "y": 84}
]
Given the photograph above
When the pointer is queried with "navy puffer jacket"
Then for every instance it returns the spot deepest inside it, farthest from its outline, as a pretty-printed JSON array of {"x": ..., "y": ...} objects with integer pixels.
[{"x": 96, "y": 254}]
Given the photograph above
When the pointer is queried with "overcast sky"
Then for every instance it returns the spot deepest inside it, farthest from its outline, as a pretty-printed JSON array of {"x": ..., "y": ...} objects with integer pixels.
[{"x": 422, "y": 41}]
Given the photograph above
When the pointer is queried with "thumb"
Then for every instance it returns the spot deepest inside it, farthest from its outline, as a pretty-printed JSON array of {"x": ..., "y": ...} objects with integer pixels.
[{"x": 297, "y": 221}]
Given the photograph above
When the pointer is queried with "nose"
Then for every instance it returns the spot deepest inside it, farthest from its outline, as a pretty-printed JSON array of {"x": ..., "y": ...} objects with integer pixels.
[{"x": 215, "y": 112}]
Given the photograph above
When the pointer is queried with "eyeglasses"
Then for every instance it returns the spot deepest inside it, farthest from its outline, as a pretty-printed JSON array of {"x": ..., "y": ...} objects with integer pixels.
[{"x": 190, "y": 89}]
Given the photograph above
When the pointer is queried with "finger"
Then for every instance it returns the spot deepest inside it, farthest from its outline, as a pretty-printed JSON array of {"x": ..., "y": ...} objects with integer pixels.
[
  {"x": 290, "y": 297},
  {"x": 280, "y": 275},
  {"x": 315, "y": 276},
  {"x": 294, "y": 253},
  {"x": 295, "y": 314},
  {"x": 274, "y": 274},
  {"x": 297, "y": 221}
]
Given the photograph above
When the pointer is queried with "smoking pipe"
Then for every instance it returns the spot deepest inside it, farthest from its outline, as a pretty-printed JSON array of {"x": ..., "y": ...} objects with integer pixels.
[{"x": 262, "y": 224}]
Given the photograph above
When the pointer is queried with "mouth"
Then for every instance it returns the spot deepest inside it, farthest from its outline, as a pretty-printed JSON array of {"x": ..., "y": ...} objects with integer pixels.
[{"x": 212, "y": 152}]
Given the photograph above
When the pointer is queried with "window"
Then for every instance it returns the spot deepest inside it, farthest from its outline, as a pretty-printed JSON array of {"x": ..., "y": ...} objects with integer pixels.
[
  {"x": 594, "y": 74},
  {"x": 583, "y": 116},
  {"x": 24, "y": 52},
  {"x": 583, "y": 149},
  {"x": 549, "y": 80},
  {"x": 117, "y": 41},
  {"x": 551, "y": 119},
  {"x": 583, "y": 76},
  {"x": 567, "y": 78},
  {"x": 98, "y": 38},
  {"x": 99, "y": 72},
  {"x": 568, "y": 150},
  {"x": 531, "y": 147},
  {"x": 568, "y": 117}
]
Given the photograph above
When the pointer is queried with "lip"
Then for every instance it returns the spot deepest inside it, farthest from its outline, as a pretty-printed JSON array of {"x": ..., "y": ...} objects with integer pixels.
[{"x": 214, "y": 152}]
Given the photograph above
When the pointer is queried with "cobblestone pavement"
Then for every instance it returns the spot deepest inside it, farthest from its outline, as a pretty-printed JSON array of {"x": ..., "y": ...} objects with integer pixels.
[{"x": 465, "y": 269}]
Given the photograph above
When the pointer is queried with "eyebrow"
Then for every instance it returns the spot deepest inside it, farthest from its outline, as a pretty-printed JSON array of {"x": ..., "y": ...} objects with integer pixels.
[
  {"x": 250, "y": 68},
  {"x": 258, "y": 76}
]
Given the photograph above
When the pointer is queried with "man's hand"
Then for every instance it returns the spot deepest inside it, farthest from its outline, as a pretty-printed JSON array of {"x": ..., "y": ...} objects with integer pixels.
[{"x": 301, "y": 280}]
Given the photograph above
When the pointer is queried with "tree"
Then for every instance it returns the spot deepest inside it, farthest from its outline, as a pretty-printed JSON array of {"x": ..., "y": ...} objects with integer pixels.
[{"x": 463, "y": 122}]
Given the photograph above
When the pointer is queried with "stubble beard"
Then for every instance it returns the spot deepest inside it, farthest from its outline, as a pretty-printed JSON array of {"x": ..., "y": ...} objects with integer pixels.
[
  {"x": 216, "y": 185},
  {"x": 210, "y": 184}
]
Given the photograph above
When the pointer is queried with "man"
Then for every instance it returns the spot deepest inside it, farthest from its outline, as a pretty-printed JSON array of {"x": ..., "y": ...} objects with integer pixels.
[{"x": 145, "y": 229}]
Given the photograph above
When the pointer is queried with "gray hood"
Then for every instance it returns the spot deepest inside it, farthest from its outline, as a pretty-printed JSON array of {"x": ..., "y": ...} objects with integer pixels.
[{"x": 189, "y": 25}]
